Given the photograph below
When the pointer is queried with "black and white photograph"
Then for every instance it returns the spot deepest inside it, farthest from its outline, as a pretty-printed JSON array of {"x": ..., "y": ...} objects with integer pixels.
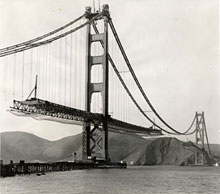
[{"x": 109, "y": 97}]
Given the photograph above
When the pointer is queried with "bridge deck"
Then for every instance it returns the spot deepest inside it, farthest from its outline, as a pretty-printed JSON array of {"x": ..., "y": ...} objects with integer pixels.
[{"x": 34, "y": 107}]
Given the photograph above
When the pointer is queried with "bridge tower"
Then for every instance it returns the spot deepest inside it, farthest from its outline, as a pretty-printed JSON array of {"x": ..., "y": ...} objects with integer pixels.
[
  {"x": 95, "y": 134},
  {"x": 201, "y": 133}
]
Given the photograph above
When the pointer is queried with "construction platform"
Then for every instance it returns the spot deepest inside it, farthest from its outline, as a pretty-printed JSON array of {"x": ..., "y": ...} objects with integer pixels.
[{"x": 23, "y": 168}]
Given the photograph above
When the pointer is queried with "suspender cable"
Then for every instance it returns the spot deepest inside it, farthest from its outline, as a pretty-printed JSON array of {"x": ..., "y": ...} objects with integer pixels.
[
  {"x": 39, "y": 70},
  {"x": 118, "y": 103},
  {"x": 31, "y": 66},
  {"x": 42, "y": 66},
  {"x": 50, "y": 70},
  {"x": 75, "y": 72},
  {"x": 41, "y": 37},
  {"x": 22, "y": 87},
  {"x": 38, "y": 61},
  {"x": 54, "y": 91},
  {"x": 60, "y": 67},
  {"x": 80, "y": 71},
  {"x": 46, "y": 72},
  {"x": 5, "y": 77},
  {"x": 71, "y": 64},
  {"x": 14, "y": 74},
  {"x": 65, "y": 66}
]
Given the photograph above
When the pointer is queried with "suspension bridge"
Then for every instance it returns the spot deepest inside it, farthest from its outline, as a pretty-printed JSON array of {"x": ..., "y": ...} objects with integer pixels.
[{"x": 80, "y": 74}]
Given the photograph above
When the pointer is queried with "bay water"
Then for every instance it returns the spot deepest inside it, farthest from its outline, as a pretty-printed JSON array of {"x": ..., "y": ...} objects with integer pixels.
[{"x": 133, "y": 180}]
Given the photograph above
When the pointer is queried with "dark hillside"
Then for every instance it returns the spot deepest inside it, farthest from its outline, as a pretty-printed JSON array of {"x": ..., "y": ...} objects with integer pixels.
[{"x": 131, "y": 148}]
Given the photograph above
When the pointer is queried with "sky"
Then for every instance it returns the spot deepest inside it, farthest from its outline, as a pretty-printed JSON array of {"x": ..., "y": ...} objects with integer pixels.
[{"x": 173, "y": 47}]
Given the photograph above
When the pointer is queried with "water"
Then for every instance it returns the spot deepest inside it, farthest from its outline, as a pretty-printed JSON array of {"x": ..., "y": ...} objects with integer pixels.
[{"x": 134, "y": 180}]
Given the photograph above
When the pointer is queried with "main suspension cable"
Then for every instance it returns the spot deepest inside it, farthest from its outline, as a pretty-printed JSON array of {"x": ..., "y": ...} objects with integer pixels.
[
  {"x": 136, "y": 79},
  {"x": 30, "y": 46},
  {"x": 41, "y": 37}
]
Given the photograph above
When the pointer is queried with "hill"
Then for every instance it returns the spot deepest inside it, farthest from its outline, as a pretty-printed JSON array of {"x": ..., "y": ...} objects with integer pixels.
[
  {"x": 215, "y": 151},
  {"x": 135, "y": 150},
  {"x": 18, "y": 146}
]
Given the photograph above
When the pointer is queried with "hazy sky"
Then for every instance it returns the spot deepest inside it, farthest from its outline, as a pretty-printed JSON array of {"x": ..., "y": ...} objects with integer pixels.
[{"x": 173, "y": 47}]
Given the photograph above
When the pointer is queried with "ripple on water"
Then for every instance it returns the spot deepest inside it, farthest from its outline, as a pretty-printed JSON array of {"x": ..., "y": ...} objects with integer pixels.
[{"x": 155, "y": 179}]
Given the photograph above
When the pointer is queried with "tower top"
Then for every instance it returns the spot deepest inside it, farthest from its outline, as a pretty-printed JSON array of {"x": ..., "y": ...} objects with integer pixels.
[
  {"x": 104, "y": 11},
  {"x": 105, "y": 8}
]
